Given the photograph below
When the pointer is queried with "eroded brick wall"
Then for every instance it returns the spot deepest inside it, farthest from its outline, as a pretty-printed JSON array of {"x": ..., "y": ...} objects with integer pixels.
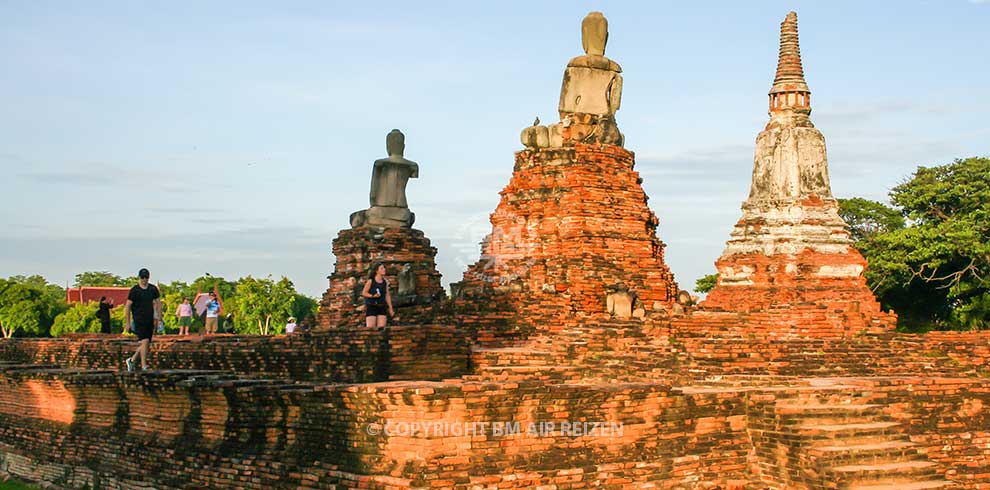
[
  {"x": 181, "y": 430},
  {"x": 346, "y": 355},
  {"x": 357, "y": 250}
]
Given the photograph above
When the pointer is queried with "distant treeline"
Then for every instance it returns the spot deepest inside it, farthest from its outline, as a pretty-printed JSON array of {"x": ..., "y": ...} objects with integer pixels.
[{"x": 31, "y": 306}]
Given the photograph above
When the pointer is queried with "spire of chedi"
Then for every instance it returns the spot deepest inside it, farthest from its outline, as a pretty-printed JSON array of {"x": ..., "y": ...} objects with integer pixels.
[
  {"x": 789, "y": 89},
  {"x": 790, "y": 160},
  {"x": 590, "y": 95},
  {"x": 791, "y": 247}
]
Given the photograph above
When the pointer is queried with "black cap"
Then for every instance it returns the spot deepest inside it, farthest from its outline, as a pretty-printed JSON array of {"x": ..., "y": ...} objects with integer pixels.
[{"x": 143, "y": 274}]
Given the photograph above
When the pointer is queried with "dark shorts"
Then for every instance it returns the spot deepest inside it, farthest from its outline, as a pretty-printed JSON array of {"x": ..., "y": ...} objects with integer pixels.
[
  {"x": 144, "y": 330},
  {"x": 185, "y": 321},
  {"x": 376, "y": 310},
  {"x": 105, "y": 325}
]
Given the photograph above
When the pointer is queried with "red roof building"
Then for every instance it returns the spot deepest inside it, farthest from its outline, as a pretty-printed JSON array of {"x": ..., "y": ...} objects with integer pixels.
[{"x": 87, "y": 294}]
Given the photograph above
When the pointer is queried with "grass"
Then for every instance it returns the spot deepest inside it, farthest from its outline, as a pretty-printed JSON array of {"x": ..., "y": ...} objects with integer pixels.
[{"x": 12, "y": 485}]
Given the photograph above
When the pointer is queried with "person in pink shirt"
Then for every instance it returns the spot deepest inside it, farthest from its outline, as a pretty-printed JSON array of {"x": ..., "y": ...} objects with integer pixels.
[{"x": 185, "y": 313}]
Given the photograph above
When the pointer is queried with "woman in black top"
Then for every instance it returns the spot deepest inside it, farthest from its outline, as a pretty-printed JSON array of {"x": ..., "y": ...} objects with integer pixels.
[
  {"x": 377, "y": 299},
  {"x": 103, "y": 314}
]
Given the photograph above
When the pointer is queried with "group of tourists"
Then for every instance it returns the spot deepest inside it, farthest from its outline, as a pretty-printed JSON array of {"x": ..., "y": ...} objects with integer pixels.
[
  {"x": 143, "y": 312},
  {"x": 184, "y": 313}
]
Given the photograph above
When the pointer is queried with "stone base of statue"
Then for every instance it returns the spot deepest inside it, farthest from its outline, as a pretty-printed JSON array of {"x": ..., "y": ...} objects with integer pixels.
[
  {"x": 409, "y": 260},
  {"x": 384, "y": 217},
  {"x": 572, "y": 227}
]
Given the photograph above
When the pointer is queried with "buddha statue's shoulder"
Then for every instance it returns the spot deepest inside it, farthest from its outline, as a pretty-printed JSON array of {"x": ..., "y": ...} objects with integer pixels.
[
  {"x": 395, "y": 160},
  {"x": 594, "y": 61}
]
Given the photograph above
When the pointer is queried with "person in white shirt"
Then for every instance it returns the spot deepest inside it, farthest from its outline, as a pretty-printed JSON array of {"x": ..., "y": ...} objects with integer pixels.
[
  {"x": 290, "y": 327},
  {"x": 212, "y": 312}
]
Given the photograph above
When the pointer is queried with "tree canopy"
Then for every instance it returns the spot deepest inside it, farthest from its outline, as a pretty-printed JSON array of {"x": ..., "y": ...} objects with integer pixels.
[
  {"x": 80, "y": 318},
  {"x": 31, "y": 306},
  {"x": 24, "y": 308},
  {"x": 929, "y": 252},
  {"x": 868, "y": 218},
  {"x": 706, "y": 284},
  {"x": 263, "y": 305},
  {"x": 102, "y": 279}
]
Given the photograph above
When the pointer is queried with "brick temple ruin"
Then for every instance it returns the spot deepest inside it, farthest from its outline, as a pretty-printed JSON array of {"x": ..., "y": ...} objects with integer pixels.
[{"x": 788, "y": 376}]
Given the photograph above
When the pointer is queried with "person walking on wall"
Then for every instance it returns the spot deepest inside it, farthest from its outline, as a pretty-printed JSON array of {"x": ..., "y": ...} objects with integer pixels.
[
  {"x": 185, "y": 314},
  {"x": 141, "y": 313},
  {"x": 377, "y": 299},
  {"x": 103, "y": 314},
  {"x": 212, "y": 313}
]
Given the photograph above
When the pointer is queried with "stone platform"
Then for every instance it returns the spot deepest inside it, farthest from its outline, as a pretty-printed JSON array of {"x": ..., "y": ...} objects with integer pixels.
[
  {"x": 410, "y": 262},
  {"x": 572, "y": 223},
  {"x": 697, "y": 411}
]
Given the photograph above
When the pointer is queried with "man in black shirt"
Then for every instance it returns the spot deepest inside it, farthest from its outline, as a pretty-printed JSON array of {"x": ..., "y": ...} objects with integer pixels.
[{"x": 145, "y": 308}]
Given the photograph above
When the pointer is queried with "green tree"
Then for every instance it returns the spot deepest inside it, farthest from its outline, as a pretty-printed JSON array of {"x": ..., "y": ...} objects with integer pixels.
[
  {"x": 38, "y": 282},
  {"x": 304, "y": 307},
  {"x": 262, "y": 305},
  {"x": 102, "y": 279},
  {"x": 867, "y": 218},
  {"x": 935, "y": 270},
  {"x": 79, "y": 318},
  {"x": 706, "y": 284},
  {"x": 52, "y": 301},
  {"x": 22, "y": 308},
  {"x": 204, "y": 284},
  {"x": 171, "y": 299}
]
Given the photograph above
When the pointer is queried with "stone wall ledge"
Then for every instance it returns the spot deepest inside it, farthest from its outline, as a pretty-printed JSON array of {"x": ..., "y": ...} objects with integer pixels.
[{"x": 339, "y": 355}]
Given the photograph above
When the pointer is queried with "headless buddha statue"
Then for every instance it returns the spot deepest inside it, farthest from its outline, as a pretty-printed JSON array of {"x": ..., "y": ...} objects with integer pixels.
[
  {"x": 590, "y": 95},
  {"x": 389, "y": 176}
]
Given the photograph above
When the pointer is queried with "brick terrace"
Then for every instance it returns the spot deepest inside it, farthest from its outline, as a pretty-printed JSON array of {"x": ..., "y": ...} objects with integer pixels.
[{"x": 699, "y": 409}]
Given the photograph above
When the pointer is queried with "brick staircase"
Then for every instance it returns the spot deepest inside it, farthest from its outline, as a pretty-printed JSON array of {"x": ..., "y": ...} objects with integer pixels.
[
  {"x": 837, "y": 442},
  {"x": 611, "y": 352},
  {"x": 864, "y": 356},
  {"x": 522, "y": 363}
]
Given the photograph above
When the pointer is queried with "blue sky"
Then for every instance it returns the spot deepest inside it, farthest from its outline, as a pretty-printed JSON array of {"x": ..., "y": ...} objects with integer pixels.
[{"x": 235, "y": 137}]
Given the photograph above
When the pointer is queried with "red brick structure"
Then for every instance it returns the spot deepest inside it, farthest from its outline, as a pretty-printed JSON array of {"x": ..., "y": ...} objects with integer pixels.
[
  {"x": 399, "y": 249},
  {"x": 573, "y": 222},
  {"x": 791, "y": 249}
]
